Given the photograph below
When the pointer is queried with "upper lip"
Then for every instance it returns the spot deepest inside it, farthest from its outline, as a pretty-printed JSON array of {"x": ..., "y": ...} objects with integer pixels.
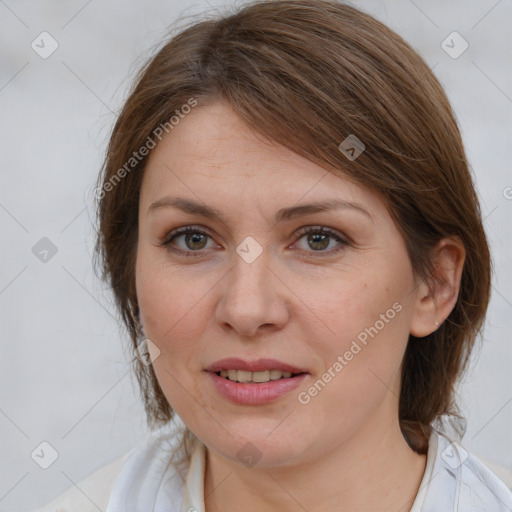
[{"x": 259, "y": 365}]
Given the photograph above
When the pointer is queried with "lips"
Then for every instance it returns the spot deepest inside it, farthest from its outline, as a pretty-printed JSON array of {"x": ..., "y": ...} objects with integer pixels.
[
  {"x": 255, "y": 393},
  {"x": 250, "y": 393},
  {"x": 259, "y": 365}
]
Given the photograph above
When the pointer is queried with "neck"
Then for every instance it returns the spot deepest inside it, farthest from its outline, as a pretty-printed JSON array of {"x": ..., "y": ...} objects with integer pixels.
[{"x": 373, "y": 469}]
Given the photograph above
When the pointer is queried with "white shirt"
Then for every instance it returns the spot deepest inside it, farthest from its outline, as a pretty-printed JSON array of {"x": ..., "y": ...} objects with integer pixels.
[{"x": 144, "y": 480}]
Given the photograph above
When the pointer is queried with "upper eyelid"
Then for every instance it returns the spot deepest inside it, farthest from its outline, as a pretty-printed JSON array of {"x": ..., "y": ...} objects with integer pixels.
[
  {"x": 190, "y": 227},
  {"x": 183, "y": 230}
]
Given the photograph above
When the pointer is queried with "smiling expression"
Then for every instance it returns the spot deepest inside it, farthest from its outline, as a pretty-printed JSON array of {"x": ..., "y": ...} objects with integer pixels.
[{"x": 315, "y": 277}]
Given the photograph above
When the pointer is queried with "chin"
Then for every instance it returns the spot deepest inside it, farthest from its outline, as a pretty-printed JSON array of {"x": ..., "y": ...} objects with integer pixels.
[{"x": 258, "y": 447}]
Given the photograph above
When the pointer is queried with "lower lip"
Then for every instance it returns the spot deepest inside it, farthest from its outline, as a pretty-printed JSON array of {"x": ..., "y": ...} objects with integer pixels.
[{"x": 255, "y": 393}]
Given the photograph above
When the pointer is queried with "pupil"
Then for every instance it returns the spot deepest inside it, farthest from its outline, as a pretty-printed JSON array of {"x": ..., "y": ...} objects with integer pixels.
[
  {"x": 194, "y": 237},
  {"x": 324, "y": 239}
]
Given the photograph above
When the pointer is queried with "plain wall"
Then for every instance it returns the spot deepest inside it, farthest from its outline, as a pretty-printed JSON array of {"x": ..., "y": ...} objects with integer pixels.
[{"x": 63, "y": 362}]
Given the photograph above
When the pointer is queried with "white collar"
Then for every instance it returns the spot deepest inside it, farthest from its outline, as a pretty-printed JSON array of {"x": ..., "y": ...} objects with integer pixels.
[{"x": 454, "y": 481}]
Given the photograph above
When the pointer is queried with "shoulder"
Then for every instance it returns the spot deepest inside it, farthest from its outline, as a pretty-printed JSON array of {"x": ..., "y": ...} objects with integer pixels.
[
  {"x": 89, "y": 494},
  {"x": 131, "y": 478},
  {"x": 481, "y": 487},
  {"x": 502, "y": 472},
  {"x": 468, "y": 482}
]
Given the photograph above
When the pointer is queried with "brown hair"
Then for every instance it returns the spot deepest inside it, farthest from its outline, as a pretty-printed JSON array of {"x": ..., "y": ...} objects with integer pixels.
[{"x": 307, "y": 74}]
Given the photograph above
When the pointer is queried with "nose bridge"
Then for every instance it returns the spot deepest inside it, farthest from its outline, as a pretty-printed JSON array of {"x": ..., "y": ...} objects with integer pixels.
[
  {"x": 250, "y": 277},
  {"x": 250, "y": 297}
]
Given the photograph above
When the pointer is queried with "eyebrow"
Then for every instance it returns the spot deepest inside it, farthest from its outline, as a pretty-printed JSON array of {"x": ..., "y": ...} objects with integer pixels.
[{"x": 284, "y": 214}]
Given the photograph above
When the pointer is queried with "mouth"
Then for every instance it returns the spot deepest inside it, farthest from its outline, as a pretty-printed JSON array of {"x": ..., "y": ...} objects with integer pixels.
[
  {"x": 261, "y": 387},
  {"x": 260, "y": 377},
  {"x": 255, "y": 382}
]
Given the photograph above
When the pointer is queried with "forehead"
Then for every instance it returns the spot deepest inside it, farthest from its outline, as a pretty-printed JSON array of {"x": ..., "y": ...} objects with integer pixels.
[
  {"x": 213, "y": 138},
  {"x": 212, "y": 152}
]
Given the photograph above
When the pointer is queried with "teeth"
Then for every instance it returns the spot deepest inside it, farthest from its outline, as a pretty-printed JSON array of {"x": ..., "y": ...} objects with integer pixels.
[
  {"x": 277, "y": 374},
  {"x": 244, "y": 376},
  {"x": 261, "y": 376}
]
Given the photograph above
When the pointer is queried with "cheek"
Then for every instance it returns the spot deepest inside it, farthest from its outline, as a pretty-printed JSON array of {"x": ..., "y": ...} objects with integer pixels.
[
  {"x": 358, "y": 308},
  {"x": 367, "y": 333},
  {"x": 361, "y": 360},
  {"x": 170, "y": 307},
  {"x": 170, "y": 313}
]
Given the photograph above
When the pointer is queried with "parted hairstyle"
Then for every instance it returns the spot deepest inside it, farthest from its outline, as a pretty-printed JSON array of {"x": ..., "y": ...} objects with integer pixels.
[{"x": 306, "y": 74}]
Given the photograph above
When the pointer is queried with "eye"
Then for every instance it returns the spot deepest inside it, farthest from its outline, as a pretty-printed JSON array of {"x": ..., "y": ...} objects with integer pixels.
[
  {"x": 195, "y": 240},
  {"x": 319, "y": 238}
]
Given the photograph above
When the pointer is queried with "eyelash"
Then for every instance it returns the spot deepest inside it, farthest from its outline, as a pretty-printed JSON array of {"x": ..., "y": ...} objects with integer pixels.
[{"x": 166, "y": 243}]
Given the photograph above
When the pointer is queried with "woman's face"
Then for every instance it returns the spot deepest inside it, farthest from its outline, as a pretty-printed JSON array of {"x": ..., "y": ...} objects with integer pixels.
[{"x": 251, "y": 284}]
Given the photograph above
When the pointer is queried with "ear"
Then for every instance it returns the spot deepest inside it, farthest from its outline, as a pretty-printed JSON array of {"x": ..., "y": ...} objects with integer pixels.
[{"x": 435, "y": 299}]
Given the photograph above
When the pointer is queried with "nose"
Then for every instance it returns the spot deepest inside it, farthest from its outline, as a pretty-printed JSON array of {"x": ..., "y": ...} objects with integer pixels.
[{"x": 253, "y": 299}]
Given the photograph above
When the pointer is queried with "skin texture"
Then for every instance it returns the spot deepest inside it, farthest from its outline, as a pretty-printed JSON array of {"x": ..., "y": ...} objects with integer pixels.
[{"x": 294, "y": 303}]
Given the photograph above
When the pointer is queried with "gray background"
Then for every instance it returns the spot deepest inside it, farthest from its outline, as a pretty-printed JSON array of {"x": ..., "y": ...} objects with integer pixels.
[{"x": 63, "y": 360}]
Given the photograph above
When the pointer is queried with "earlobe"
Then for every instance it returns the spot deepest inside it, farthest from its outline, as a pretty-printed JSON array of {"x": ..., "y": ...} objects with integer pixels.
[{"x": 436, "y": 298}]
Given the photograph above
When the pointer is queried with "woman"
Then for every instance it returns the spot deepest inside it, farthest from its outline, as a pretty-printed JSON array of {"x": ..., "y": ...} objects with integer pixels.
[{"x": 292, "y": 234}]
